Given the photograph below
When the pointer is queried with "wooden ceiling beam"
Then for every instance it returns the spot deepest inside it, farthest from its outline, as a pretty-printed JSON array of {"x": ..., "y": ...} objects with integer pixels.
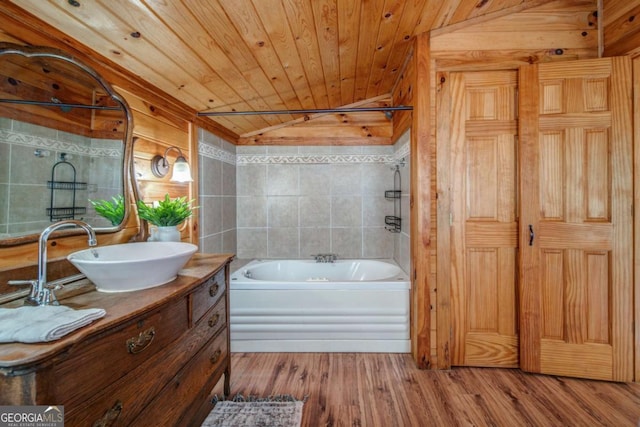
[{"x": 488, "y": 17}]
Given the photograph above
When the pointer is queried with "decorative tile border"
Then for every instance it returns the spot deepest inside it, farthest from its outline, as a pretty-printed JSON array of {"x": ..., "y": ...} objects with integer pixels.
[
  {"x": 216, "y": 153},
  {"x": 245, "y": 159},
  {"x": 18, "y": 138},
  {"x": 403, "y": 151}
]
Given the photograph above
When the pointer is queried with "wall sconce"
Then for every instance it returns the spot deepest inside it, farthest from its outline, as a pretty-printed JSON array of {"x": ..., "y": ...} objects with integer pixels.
[{"x": 181, "y": 168}]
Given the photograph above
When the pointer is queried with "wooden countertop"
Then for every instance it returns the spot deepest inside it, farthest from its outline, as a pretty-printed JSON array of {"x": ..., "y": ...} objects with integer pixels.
[{"x": 120, "y": 307}]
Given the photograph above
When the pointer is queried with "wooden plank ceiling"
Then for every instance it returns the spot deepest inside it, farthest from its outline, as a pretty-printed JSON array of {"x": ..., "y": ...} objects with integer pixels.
[{"x": 263, "y": 55}]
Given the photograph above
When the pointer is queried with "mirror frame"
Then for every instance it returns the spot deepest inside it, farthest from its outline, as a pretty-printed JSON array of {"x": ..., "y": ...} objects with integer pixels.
[{"x": 127, "y": 164}]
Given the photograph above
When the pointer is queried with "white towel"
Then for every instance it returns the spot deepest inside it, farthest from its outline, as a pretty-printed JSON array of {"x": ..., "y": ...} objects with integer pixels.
[{"x": 44, "y": 323}]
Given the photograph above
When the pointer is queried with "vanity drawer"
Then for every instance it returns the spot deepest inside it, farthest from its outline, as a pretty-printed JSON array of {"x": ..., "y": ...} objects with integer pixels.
[
  {"x": 207, "y": 294},
  {"x": 192, "y": 384},
  {"x": 215, "y": 318},
  {"x": 102, "y": 361},
  {"x": 123, "y": 400}
]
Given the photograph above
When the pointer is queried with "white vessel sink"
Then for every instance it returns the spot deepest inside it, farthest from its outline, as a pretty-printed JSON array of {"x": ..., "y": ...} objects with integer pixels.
[{"x": 132, "y": 266}]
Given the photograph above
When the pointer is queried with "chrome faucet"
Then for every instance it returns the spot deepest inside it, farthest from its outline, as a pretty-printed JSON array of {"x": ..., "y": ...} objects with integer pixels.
[
  {"x": 42, "y": 293},
  {"x": 325, "y": 257}
]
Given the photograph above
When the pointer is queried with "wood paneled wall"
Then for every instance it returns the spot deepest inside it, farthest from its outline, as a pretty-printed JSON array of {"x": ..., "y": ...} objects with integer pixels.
[
  {"x": 621, "y": 27},
  {"x": 155, "y": 131},
  {"x": 555, "y": 31},
  {"x": 422, "y": 246},
  {"x": 402, "y": 94},
  {"x": 636, "y": 217}
]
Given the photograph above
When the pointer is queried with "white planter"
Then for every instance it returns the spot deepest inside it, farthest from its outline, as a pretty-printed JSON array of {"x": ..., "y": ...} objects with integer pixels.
[{"x": 164, "y": 234}]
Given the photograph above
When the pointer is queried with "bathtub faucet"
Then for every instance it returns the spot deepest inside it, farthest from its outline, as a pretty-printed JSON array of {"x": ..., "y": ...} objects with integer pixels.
[{"x": 325, "y": 257}]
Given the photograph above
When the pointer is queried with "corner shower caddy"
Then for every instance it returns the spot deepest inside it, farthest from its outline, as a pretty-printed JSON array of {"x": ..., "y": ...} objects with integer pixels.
[
  {"x": 393, "y": 222},
  {"x": 57, "y": 213}
]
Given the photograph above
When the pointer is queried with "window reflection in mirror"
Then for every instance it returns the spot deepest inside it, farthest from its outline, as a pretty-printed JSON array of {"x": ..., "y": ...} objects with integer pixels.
[{"x": 64, "y": 142}]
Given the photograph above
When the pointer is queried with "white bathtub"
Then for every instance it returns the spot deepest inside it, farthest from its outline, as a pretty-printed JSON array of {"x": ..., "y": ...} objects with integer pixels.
[{"x": 305, "y": 306}]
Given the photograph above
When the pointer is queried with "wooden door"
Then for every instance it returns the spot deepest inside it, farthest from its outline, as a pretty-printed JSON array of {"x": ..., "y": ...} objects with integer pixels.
[
  {"x": 483, "y": 225},
  {"x": 576, "y": 219}
]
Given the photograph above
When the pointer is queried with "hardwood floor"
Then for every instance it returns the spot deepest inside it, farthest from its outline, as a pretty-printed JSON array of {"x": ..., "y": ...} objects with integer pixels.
[{"x": 363, "y": 389}]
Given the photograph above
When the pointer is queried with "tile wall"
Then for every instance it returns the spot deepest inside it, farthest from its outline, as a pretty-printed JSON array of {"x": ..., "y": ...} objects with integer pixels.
[
  {"x": 217, "y": 187},
  {"x": 24, "y": 194},
  {"x": 297, "y": 201},
  {"x": 402, "y": 242},
  {"x": 291, "y": 202}
]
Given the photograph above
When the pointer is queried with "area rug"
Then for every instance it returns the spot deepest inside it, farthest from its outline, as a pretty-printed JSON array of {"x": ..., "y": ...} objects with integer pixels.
[{"x": 240, "y": 411}]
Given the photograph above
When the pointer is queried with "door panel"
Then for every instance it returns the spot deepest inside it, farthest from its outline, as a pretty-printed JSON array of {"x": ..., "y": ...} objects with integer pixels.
[
  {"x": 576, "y": 219},
  {"x": 481, "y": 166}
]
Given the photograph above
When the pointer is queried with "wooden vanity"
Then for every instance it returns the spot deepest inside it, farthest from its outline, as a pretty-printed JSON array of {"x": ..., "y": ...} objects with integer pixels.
[{"x": 152, "y": 360}]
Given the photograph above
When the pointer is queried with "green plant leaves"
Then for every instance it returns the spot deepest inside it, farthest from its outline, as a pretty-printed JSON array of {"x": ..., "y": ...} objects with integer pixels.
[
  {"x": 168, "y": 212},
  {"x": 111, "y": 210}
]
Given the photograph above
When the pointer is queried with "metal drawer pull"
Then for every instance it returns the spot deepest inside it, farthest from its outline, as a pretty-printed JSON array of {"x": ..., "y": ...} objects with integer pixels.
[
  {"x": 137, "y": 344},
  {"x": 216, "y": 356},
  {"x": 213, "y": 290},
  {"x": 110, "y": 416},
  {"x": 213, "y": 320}
]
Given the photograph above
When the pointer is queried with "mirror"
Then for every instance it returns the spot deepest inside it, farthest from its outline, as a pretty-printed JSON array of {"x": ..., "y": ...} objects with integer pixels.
[{"x": 65, "y": 140}]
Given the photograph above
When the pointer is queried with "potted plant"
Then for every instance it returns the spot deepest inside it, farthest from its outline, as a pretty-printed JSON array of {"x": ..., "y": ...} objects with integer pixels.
[
  {"x": 111, "y": 210},
  {"x": 166, "y": 215}
]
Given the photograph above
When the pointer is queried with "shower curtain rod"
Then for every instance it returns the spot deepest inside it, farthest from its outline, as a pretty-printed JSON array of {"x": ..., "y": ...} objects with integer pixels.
[
  {"x": 57, "y": 104},
  {"x": 328, "y": 110}
]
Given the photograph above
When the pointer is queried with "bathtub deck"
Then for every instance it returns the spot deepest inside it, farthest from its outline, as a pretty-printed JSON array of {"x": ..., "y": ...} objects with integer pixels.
[{"x": 388, "y": 390}]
